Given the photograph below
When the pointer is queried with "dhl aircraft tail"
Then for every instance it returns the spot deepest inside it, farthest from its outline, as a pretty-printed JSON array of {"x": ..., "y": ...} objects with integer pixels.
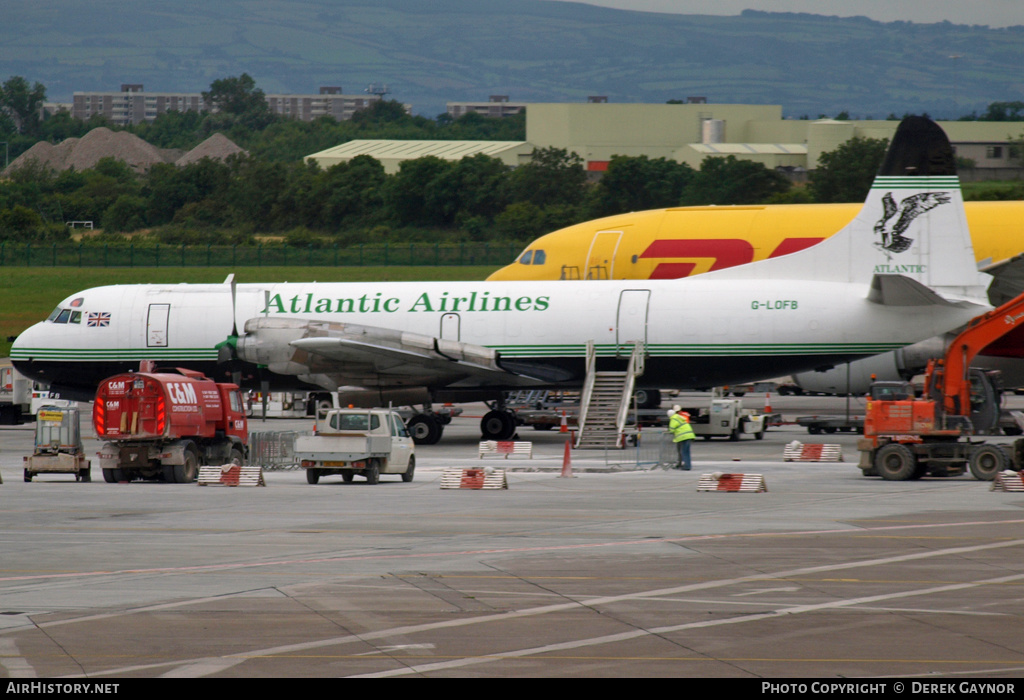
[{"x": 912, "y": 225}]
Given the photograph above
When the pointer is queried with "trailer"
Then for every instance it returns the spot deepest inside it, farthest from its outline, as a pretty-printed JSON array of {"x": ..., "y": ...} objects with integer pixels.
[
  {"x": 816, "y": 425},
  {"x": 58, "y": 445}
]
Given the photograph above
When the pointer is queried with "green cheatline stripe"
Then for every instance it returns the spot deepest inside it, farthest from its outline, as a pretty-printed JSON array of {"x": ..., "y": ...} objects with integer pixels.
[
  {"x": 945, "y": 182},
  {"x": 113, "y": 354},
  {"x": 700, "y": 350},
  {"x": 603, "y": 350}
]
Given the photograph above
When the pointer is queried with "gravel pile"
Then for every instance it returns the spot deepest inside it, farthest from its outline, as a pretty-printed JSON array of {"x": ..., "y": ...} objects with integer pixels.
[
  {"x": 217, "y": 147},
  {"x": 101, "y": 142}
]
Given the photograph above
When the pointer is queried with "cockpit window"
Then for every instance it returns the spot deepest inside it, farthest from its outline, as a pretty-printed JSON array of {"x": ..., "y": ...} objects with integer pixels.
[
  {"x": 525, "y": 258},
  {"x": 63, "y": 316},
  {"x": 539, "y": 257},
  {"x": 53, "y": 316},
  {"x": 76, "y": 317}
]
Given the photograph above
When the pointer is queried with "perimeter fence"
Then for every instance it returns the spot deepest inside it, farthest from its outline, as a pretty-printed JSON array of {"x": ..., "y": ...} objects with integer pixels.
[{"x": 260, "y": 255}]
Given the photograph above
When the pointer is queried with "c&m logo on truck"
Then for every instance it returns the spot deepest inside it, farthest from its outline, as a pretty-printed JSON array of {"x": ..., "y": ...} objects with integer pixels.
[{"x": 181, "y": 393}]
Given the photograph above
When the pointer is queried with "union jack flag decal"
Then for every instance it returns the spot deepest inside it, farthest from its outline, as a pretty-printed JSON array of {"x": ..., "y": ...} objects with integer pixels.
[{"x": 98, "y": 319}]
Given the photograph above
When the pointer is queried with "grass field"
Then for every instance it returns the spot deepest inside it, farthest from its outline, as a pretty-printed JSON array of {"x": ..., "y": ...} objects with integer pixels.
[{"x": 29, "y": 294}]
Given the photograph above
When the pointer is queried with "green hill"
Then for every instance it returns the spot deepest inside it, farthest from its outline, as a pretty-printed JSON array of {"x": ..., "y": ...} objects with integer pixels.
[{"x": 456, "y": 50}]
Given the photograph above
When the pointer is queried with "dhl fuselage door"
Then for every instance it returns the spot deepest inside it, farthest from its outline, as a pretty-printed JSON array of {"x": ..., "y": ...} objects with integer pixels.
[{"x": 601, "y": 256}]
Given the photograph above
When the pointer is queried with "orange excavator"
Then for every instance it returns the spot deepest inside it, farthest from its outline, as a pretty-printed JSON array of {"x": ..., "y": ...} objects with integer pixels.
[{"x": 907, "y": 437}]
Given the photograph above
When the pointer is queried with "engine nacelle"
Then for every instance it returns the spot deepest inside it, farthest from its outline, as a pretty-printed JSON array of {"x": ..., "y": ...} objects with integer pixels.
[{"x": 856, "y": 377}]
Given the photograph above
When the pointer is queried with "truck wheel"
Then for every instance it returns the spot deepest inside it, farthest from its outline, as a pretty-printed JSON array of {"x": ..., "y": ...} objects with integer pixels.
[
  {"x": 987, "y": 461},
  {"x": 425, "y": 429},
  {"x": 348, "y": 476},
  {"x": 372, "y": 472},
  {"x": 186, "y": 473},
  {"x": 895, "y": 462},
  {"x": 28, "y": 475},
  {"x": 237, "y": 457},
  {"x": 407, "y": 477},
  {"x": 312, "y": 477}
]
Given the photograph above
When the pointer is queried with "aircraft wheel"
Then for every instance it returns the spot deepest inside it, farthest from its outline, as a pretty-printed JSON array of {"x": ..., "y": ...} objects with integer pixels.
[
  {"x": 498, "y": 425},
  {"x": 987, "y": 461},
  {"x": 425, "y": 429},
  {"x": 648, "y": 398},
  {"x": 895, "y": 462}
]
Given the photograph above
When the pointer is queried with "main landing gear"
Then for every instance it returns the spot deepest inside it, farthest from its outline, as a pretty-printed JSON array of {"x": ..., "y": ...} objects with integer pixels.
[{"x": 499, "y": 423}]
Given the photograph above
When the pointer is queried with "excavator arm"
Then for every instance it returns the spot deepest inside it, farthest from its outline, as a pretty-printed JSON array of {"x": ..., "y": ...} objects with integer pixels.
[{"x": 952, "y": 379}]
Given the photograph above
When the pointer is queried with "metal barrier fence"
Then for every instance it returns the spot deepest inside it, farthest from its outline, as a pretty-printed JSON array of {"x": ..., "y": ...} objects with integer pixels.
[
  {"x": 274, "y": 449},
  {"x": 131, "y": 255},
  {"x": 650, "y": 449}
]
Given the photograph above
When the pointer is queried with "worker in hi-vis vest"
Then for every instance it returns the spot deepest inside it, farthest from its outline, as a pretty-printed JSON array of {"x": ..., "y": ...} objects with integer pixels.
[{"x": 682, "y": 435}]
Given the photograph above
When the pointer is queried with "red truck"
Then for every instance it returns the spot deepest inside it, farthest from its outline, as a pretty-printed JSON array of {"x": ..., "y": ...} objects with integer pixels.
[{"x": 164, "y": 424}]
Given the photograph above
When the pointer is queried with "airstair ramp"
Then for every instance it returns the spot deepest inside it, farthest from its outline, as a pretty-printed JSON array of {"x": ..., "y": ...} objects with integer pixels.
[{"x": 604, "y": 405}]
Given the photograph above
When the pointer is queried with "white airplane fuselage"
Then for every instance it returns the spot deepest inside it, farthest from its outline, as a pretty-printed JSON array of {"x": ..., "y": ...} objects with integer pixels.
[{"x": 698, "y": 332}]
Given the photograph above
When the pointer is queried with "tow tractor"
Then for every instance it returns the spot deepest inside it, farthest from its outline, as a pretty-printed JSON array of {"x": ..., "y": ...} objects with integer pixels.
[
  {"x": 907, "y": 437},
  {"x": 58, "y": 445}
]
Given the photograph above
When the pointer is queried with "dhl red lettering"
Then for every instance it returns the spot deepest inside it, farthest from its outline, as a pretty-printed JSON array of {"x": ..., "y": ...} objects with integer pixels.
[
  {"x": 672, "y": 271},
  {"x": 793, "y": 245},
  {"x": 726, "y": 252}
]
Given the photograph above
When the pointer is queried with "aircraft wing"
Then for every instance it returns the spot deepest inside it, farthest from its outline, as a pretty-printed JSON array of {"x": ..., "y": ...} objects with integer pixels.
[
  {"x": 368, "y": 356},
  {"x": 1007, "y": 280}
]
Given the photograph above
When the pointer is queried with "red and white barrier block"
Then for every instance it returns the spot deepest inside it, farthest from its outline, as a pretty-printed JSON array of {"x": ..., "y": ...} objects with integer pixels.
[{"x": 732, "y": 483}]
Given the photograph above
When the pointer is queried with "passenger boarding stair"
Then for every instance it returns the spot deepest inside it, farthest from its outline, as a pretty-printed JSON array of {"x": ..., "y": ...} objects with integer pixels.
[{"x": 605, "y": 401}]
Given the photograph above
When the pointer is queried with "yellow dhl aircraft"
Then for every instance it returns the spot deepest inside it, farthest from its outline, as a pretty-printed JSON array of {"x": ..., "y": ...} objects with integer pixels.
[{"x": 686, "y": 241}]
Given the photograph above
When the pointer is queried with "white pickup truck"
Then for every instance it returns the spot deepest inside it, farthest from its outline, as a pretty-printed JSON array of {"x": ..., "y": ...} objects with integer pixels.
[{"x": 364, "y": 441}]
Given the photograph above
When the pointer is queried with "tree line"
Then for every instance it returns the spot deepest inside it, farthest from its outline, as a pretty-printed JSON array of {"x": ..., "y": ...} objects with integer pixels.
[{"x": 273, "y": 191}]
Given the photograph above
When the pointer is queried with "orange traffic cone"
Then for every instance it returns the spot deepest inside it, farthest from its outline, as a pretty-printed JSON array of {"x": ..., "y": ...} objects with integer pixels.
[
  {"x": 767, "y": 402},
  {"x": 567, "y": 461},
  {"x": 564, "y": 428}
]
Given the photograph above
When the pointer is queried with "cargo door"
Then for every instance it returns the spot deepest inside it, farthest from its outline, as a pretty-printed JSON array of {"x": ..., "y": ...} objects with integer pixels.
[
  {"x": 601, "y": 256},
  {"x": 631, "y": 321},
  {"x": 156, "y": 325}
]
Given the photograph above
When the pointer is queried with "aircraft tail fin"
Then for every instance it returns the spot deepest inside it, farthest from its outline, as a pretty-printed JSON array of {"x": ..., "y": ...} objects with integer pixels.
[{"x": 912, "y": 224}]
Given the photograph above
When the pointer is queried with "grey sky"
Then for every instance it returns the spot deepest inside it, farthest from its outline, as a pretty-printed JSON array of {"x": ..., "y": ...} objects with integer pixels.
[{"x": 995, "y": 13}]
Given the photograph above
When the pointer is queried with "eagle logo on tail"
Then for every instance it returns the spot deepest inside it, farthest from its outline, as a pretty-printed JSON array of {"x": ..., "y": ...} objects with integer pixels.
[{"x": 892, "y": 239}]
